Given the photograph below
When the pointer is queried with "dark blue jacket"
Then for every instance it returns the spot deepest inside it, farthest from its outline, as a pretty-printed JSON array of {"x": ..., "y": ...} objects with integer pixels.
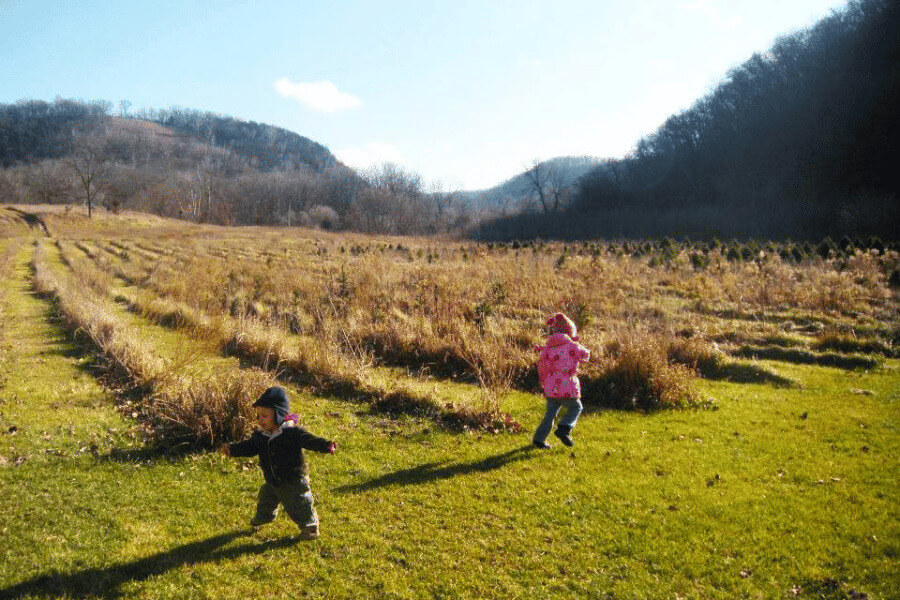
[{"x": 281, "y": 457}]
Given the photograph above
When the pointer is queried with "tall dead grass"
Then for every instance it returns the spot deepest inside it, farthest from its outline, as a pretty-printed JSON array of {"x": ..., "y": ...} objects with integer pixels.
[
  {"x": 176, "y": 410},
  {"x": 636, "y": 371},
  {"x": 472, "y": 312},
  {"x": 187, "y": 414},
  {"x": 8, "y": 250}
]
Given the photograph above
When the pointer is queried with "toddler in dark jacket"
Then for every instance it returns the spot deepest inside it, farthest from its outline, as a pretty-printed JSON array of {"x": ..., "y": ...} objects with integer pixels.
[{"x": 279, "y": 443}]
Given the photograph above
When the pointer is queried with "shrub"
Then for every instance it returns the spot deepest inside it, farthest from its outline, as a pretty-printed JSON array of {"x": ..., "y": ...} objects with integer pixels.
[
  {"x": 189, "y": 414},
  {"x": 580, "y": 313},
  {"x": 699, "y": 260},
  {"x": 826, "y": 248},
  {"x": 849, "y": 344},
  {"x": 747, "y": 253},
  {"x": 875, "y": 243},
  {"x": 733, "y": 254},
  {"x": 639, "y": 375}
]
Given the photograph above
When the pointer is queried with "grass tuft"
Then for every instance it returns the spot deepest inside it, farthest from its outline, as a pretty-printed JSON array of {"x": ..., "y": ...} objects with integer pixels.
[
  {"x": 638, "y": 374},
  {"x": 849, "y": 344},
  {"x": 807, "y": 357},
  {"x": 190, "y": 414}
]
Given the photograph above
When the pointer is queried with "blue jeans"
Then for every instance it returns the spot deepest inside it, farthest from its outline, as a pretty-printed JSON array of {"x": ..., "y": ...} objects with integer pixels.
[{"x": 573, "y": 409}]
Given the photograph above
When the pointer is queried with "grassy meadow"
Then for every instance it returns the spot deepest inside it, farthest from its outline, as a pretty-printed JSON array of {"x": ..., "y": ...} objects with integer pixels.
[{"x": 739, "y": 438}]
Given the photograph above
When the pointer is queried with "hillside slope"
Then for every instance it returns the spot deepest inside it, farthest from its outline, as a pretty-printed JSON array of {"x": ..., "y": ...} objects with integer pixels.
[
  {"x": 798, "y": 141},
  {"x": 565, "y": 171}
]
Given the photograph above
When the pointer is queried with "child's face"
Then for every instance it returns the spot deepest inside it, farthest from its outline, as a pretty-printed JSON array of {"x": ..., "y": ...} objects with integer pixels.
[{"x": 265, "y": 418}]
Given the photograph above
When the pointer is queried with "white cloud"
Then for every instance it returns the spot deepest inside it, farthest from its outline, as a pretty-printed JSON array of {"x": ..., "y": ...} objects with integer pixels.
[
  {"x": 369, "y": 154},
  {"x": 322, "y": 96}
]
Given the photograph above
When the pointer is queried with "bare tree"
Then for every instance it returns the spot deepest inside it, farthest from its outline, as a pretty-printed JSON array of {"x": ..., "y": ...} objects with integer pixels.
[
  {"x": 547, "y": 184},
  {"x": 442, "y": 208},
  {"x": 89, "y": 160},
  {"x": 11, "y": 187},
  {"x": 48, "y": 182},
  {"x": 393, "y": 202},
  {"x": 201, "y": 192}
]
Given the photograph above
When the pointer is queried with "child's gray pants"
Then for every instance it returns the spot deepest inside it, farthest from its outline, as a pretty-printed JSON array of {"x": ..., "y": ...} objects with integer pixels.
[{"x": 296, "y": 498}]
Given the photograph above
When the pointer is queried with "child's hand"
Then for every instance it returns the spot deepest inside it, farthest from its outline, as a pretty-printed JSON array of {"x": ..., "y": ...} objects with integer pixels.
[
  {"x": 225, "y": 449},
  {"x": 332, "y": 448}
]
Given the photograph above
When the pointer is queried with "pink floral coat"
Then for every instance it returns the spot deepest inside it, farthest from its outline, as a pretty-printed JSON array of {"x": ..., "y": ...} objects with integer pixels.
[{"x": 558, "y": 366}]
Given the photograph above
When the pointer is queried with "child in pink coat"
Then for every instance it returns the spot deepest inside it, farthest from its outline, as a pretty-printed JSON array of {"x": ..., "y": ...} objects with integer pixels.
[{"x": 558, "y": 374}]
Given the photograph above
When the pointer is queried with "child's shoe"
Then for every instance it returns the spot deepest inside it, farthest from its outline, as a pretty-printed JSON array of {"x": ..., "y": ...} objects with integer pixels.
[
  {"x": 310, "y": 532},
  {"x": 541, "y": 445},
  {"x": 562, "y": 432}
]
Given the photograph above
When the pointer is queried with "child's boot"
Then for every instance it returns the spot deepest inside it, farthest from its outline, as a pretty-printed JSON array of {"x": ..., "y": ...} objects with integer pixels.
[
  {"x": 541, "y": 444},
  {"x": 309, "y": 532},
  {"x": 562, "y": 432}
]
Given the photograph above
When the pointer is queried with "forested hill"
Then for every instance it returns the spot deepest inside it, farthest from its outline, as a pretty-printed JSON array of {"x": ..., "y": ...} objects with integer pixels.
[
  {"x": 264, "y": 147},
  {"x": 800, "y": 140},
  {"x": 33, "y": 130},
  {"x": 204, "y": 167},
  {"x": 519, "y": 190}
]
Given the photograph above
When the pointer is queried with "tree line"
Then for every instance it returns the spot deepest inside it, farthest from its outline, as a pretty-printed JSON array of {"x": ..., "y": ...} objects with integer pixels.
[
  {"x": 798, "y": 141},
  {"x": 203, "y": 167}
]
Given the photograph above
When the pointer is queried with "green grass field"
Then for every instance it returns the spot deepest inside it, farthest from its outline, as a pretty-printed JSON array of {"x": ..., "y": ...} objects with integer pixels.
[{"x": 776, "y": 492}]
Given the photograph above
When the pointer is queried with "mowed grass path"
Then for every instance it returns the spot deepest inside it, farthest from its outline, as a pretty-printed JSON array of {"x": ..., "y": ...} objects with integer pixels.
[{"x": 778, "y": 493}]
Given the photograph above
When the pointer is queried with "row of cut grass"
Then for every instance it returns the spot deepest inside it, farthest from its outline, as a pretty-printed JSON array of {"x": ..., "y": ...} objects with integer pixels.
[
  {"x": 310, "y": 362},
  {"x": 424, "y": 327},
  {"x": 797, "y": 355},
  {"x": 176, "y": 407},
  {"x": 641, "y": 375}
]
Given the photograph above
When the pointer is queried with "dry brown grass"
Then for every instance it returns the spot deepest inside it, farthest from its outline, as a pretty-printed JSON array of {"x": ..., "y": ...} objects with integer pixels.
[
  {"x": 471, "y": 312},
  {"x": 176, "y": 409},
  {"x": 466, "y": 311},
  {"x": 8, "y": 250},
  {"x": 849, "y": 343},
  {"x": 329, "y": 361},
  {"x": 637, "y": 372},
  {"x": 187, "y": 414}
]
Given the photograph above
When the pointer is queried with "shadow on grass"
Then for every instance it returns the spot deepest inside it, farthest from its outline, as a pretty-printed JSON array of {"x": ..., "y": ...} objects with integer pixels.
[
  {"x": 805, "y": 357},
  {"x": 436, "y": 471},
  {"x": 107, "y": 582},
  {"x": 34, "y": 221},
  {"x": 738, "y": 372},
  {"x": 74, "y": 343}
]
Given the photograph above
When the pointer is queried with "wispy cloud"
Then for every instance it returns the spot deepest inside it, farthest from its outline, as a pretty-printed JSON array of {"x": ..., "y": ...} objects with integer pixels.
[
  {"x": 369, "y": 154},
  {"x": 712, "y": 10},
  {"x": 322, "y": 96}
]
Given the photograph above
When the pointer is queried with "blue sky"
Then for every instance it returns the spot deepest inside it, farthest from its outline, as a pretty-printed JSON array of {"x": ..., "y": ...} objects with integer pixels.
[{"x": 465, "y": 93}]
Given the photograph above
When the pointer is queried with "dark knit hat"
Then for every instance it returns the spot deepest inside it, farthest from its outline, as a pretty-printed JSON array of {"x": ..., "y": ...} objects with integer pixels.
[{"x": 275, "y": 398}]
